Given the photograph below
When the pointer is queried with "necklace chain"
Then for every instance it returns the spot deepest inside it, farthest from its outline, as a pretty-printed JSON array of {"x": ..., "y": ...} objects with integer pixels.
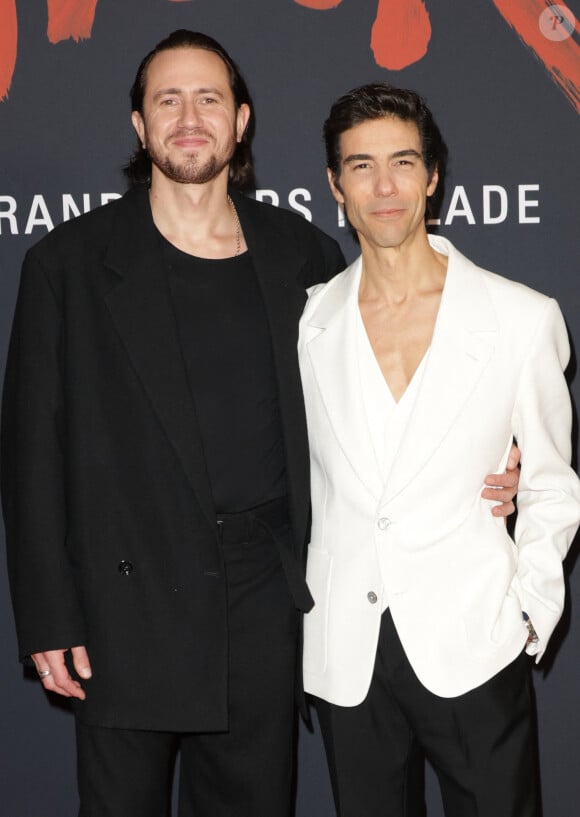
[{"x": 238, "y": 226}]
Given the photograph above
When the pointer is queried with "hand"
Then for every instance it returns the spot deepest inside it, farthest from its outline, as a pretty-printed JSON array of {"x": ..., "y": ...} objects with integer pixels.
[
  {"x": 58, "y": 679},
  {"x": 503, "y": 487},
  {"x": 532, "y": 634}
]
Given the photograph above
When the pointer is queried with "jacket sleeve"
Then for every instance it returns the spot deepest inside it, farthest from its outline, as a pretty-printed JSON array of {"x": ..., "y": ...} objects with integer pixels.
[
  {"x": 549, "y": 494},
  {"x": 33, "y": 471}
]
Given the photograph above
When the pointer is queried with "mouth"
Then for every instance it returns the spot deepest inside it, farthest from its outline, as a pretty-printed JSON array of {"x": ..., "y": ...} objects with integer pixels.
[
  {"x": 390, "y": 213},
  {"x": 190, "y": 140}
]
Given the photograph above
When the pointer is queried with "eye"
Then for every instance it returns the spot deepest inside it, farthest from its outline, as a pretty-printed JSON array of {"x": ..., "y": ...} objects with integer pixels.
[
  {"x": 168, "y": 101},
  {"x": 361, "y": 166},
  {"x": 208, "y": 100}
]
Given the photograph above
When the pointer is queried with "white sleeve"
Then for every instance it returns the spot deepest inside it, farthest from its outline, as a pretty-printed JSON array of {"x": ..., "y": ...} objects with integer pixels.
[{"x": 549, "y": 491}]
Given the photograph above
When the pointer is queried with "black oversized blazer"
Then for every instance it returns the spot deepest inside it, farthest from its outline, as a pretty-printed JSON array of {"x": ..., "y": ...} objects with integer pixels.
[{"x": 111, "y": 532}]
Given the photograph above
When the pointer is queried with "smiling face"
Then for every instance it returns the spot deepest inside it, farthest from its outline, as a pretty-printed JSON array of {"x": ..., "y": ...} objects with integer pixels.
[
  {"x": 383, "y": 183},
  {"x": 190, "y": 124}
]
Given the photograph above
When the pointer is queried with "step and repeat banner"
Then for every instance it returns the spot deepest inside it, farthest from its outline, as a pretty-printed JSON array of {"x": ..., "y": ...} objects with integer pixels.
[{"x": 503, "y": 79}]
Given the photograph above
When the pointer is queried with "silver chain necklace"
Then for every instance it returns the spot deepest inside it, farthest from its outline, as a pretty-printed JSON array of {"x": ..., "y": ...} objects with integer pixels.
[{"x": 238, "y": 227}]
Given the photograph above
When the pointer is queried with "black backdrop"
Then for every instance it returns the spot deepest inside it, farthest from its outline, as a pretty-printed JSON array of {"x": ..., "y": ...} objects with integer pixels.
[{"x": 502, "y": 79}]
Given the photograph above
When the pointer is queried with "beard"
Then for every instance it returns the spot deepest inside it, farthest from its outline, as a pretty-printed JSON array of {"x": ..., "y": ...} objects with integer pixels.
[{"x": 190, "y": 170}]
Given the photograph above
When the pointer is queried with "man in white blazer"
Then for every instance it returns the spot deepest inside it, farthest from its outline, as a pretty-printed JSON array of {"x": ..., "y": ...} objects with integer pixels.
[{"x": 419, "y": 369}]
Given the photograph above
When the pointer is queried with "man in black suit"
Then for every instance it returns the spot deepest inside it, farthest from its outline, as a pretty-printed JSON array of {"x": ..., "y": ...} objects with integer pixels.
[{"x": 155, "y": 465}]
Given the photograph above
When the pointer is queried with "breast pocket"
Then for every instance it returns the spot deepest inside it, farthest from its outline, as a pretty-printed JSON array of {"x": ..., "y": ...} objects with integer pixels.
[{"x": 318, "y": 578}]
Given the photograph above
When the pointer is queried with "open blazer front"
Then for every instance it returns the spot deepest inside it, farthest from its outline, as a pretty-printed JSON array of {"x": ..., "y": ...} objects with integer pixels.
[
  {"x": 110, "y": 522},
  {"x": 420, "y": 537}
]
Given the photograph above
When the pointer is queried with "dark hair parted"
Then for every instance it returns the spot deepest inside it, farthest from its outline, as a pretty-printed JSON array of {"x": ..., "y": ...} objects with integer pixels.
[
  {"x": 242, "y": 176},
  {"x": 378, "y": 100}
]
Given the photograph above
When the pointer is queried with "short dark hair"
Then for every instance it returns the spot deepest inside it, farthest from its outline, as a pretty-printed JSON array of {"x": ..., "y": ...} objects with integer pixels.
[
  {"x": 242, "y": 174},
  {"x": 377, "y": 100}
]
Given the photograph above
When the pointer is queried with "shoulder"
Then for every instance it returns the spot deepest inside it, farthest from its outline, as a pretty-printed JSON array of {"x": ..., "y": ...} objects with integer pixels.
[
  {"x": 506, "y": 293},
  {"x": 517, "y": 299},
  {"x": 278, "y": 219},
  {"x": 334, "y": 294},
  {"x": 88, "y": 233},
  {"x": 269, "y": 215},
  {"x": 321, "y": 251},
  {"x": 528, "y": 318}
]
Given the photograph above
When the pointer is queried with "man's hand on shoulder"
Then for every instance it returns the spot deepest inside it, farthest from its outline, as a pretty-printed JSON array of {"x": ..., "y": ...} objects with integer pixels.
[
  {"x": 54, "y": 673},
  {"x": 503, "y": 487}
]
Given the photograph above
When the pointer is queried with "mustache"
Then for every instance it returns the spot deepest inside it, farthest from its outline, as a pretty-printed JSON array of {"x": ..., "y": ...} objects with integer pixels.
[{"x": 181, "y": 132}]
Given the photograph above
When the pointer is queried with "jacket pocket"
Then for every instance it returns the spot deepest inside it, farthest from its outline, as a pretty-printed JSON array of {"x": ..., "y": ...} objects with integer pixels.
[{"x": 485, "y": 634}]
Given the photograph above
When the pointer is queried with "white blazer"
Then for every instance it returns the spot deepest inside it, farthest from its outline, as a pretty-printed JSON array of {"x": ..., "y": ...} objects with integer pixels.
[{"x": 423, "y": 540}]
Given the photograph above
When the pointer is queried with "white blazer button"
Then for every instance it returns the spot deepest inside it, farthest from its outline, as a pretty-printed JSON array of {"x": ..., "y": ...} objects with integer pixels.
[
  {"x": 372, "y": 597},
  {"x": 383, "y": 523}
]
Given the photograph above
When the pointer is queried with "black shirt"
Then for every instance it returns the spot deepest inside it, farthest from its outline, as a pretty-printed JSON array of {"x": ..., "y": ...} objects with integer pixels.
[{"x": 227, "y": 351}]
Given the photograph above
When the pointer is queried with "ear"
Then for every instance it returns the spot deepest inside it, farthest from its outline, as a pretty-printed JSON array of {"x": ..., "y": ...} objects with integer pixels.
[
  {"x": 432, "y": 186},
  {"x": 334, "y": 186},
  {"x": 139, "y": 126},
  {"x": 242, "y": 119}
]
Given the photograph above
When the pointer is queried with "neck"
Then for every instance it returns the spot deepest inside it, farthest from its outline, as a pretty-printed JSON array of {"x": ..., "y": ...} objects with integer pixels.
[
  {"x": 394, "y": 274},
  {"x": 173, "y": 204},
  {"x": 199, "y": 219}
]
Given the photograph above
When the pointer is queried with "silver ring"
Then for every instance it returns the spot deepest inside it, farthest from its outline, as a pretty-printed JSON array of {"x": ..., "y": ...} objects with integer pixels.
[{"x": 44, "y": 673}]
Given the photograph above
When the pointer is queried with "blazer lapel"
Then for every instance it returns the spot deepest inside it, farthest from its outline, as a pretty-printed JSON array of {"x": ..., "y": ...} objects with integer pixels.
[
  {"x": 277, "y": 262},
  {"x": 332, "y": 347},
  {"x": 463, "y": 342},
  {"x": 141, "y": 309}
]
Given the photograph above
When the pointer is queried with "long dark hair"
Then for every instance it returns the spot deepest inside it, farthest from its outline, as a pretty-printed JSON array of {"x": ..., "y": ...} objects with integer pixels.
[{"x": 242, "y": 176}]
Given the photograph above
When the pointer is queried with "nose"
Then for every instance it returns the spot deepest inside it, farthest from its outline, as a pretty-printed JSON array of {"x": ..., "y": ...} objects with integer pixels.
[
  {"x": 385, "y": 183},
  {"x": 189, "y": 114}
]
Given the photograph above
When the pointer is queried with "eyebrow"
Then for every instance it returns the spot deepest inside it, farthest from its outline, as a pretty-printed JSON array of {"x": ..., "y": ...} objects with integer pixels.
[
  {"x": 179, "y": 91},
  {"x": 363, "y": 157}
]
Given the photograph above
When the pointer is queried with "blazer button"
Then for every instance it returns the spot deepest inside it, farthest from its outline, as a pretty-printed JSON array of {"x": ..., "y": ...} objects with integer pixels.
[
  {"x": 126, "y": 568},
  {"x": 383, "y": 523},
  {"x": 372, "y": 597}
]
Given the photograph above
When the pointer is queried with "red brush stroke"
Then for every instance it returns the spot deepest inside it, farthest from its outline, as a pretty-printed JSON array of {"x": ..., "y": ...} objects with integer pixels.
[
  {"x": 70, "y": 18},
  {"x": 401, "y": 33},
  {"x": 8, "y": 45},
  {"x": 561, "y": 58},
  {"x": 319, "y": 5}
]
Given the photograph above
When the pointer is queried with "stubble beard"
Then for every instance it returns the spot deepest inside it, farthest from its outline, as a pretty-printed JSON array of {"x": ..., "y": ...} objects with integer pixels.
[{"x": 191, "y": 171}]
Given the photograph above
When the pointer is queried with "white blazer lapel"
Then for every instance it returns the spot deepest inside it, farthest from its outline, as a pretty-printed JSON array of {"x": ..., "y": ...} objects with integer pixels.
[
  {"x": 331, "y": 342},
  {"x": 463, "y": 341}
]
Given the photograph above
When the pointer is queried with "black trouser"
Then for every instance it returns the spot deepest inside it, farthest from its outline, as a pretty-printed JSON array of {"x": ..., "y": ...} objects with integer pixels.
[
  {"x": 481, "y": 744},
  {"x": 246, "y": 771}
]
